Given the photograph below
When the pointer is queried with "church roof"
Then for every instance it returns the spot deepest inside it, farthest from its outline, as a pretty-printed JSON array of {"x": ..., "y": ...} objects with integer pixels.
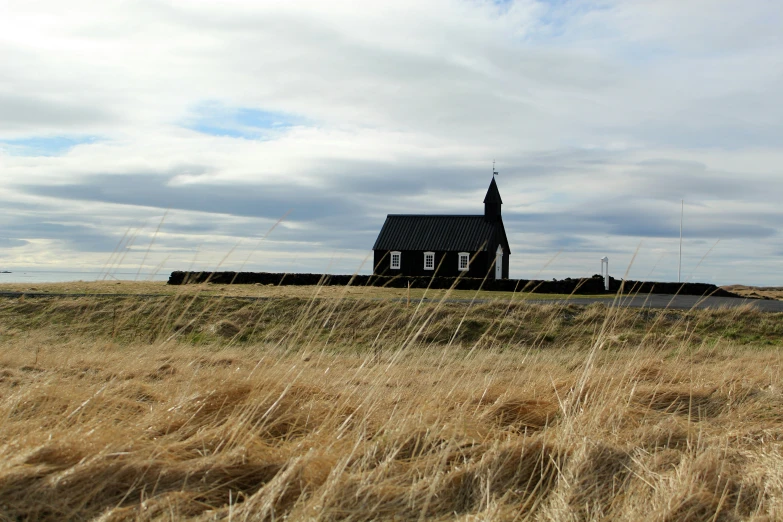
[
  {"x": 493, "y": 194},
  {"x": 438, "y": 233}
]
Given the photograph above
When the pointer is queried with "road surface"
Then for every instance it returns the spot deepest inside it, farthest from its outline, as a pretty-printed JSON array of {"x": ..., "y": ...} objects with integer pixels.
[
  {"x": 678, "y": 302},
  {"x": 658, "y": 301}
]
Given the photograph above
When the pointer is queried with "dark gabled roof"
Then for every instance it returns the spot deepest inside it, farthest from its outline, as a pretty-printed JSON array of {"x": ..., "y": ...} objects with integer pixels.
[{"x": 436, "y": 233}]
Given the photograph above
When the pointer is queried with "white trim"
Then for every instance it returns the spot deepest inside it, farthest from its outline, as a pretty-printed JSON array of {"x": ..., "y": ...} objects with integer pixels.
[
  {"x": 463, "y": 261},
  {"x": 499, "y": 263},
  {"x": 392, "y": 264},
  {"x": 429, "y": 256}
]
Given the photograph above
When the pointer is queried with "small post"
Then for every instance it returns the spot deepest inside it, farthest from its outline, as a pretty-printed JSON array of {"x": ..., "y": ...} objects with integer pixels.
[
  {"x": 409, "y": 294},
  {"x": 605, "y": 261},
  {"x": 679, "y": 265}
]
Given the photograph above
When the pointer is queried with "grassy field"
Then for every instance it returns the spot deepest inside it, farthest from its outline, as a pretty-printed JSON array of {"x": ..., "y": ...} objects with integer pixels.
[
  {"x": 193, "y": 406},
  {"x": 306, "y": 292},
  {"x": 765, "y": 292}
]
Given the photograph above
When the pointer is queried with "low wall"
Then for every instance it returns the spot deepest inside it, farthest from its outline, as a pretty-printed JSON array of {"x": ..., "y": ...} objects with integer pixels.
[{"x": 593, "y": 285}]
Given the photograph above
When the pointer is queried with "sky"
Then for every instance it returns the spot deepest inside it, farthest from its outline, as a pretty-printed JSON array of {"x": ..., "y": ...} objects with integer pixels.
[{"x": 149, "y": 136}]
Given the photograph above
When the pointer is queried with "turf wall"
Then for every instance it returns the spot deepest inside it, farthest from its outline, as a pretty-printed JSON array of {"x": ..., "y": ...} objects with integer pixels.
[{"x": 593, "y": 285}]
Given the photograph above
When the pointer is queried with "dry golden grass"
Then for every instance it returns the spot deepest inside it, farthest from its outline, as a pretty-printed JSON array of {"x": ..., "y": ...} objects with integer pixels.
[
  {"x": 304, "y": 292},
  {"x": 767, "y": 292},
  {"x": 188, "y": 407}
]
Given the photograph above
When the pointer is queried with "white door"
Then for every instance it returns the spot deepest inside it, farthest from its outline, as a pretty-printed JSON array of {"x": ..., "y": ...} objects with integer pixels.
[{"x": 499, "y": 263}]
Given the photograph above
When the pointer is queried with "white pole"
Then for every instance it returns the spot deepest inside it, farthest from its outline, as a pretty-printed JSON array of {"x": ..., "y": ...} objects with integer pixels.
[{"x": 679, "y": 266}]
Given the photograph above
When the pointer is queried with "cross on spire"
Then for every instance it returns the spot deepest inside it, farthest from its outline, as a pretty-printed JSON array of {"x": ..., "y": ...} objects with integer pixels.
[{"x": 494, "y": 172}]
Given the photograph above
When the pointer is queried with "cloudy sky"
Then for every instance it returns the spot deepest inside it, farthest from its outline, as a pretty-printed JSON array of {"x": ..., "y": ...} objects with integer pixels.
[{"x": 276, "y": 135}]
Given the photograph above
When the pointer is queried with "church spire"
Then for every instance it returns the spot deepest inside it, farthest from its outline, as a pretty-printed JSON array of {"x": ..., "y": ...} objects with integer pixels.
[{"x": 492, "y": 202}]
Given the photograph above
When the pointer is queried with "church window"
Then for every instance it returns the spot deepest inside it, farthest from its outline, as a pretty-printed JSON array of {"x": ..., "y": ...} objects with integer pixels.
[{"x": 464, "y": 261}]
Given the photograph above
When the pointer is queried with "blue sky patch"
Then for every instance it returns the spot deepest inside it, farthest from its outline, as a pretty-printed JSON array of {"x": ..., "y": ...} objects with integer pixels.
[
  {"x": 217, "y": 119},
  {"x": 43, "y": 145},
  {"x": 558, "y": 14}
]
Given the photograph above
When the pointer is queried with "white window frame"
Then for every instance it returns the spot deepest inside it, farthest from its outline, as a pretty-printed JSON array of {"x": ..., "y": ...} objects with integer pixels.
[
  {"x": 429, "y": 256},
  {"x": 463, "y": 256},
  {"x": 392, "y": 264},
  {"x": 499, "y": 262}
]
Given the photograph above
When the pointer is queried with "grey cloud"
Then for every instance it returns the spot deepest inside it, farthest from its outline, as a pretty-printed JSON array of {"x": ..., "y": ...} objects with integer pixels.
[
  {"x": 717, "y": 229},
  {"x": 662, "y": 178},
  {"x": 566, "y": 241},
  {"x": 400, "y": 179},
  {"x": 147, "y": 190},
  {"x": 12, "y": 243},
  {"x": 734, "y": 131},
  {"x": 672, "y": 180},
  {"x": 79, "y": 237},
  {"x": 11, "y": 204},
  {"x": 342, "y": 232},
  {"x": 29, "y": 113},
  {"x": 638, "y": 221}
]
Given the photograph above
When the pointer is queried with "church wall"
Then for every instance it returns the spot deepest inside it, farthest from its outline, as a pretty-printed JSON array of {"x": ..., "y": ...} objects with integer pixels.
[{"x": 412, "y": 264}]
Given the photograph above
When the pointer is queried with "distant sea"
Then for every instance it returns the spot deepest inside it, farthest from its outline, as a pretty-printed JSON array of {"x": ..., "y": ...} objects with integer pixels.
[{"x": 35, "y": 276}]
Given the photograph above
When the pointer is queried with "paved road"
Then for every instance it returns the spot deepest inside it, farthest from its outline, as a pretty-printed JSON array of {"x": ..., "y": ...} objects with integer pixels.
[
  {"x": 679, "y": 302},
  {"x": 660, "y": 301}
]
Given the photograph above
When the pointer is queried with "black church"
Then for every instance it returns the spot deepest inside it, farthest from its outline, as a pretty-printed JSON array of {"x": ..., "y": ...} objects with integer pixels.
[{"x": 446, "y": 246}]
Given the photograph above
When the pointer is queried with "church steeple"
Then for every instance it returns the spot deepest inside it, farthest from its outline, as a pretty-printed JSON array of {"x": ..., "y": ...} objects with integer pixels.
[{"x": 492, "y": 202}]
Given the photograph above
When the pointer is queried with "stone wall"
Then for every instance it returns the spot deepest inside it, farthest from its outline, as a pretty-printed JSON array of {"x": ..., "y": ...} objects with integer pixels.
[{"x": 593, "y": 285}]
